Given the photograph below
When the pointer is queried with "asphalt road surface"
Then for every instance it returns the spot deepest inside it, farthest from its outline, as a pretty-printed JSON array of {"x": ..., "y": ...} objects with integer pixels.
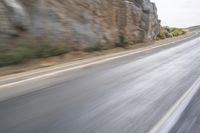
[
  {"x": 190, "y": 120},
  {"x": 125, "y": 95}
]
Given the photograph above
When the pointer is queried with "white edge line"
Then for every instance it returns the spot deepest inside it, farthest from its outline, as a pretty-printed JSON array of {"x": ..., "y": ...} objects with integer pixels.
[
  {"x": 174, "y": 114},
  {"x": 85, "y": 65},
  {"x": 69, "y": 69}
]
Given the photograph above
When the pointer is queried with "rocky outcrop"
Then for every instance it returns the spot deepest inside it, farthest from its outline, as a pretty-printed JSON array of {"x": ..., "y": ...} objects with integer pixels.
[{"x": 84, "y": 22}]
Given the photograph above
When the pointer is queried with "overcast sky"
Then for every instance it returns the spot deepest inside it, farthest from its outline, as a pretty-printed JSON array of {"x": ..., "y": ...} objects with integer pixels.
[{"x": 179, "y": 13}]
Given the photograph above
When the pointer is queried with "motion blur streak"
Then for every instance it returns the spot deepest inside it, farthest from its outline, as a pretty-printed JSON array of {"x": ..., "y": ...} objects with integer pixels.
[{"x": 126, "y": 95}]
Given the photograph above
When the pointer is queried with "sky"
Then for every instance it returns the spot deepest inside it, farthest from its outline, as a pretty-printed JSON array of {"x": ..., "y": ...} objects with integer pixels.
[{"x": 178, "y": 13}]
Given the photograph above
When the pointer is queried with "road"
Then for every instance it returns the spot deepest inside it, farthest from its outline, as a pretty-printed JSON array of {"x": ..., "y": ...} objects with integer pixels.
[
  {"x": 125, "y": 95},
  {"x": 190, "y": 119}
]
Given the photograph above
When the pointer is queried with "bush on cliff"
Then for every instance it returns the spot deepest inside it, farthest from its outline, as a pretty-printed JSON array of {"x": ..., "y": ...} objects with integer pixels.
[
  {"x": 21, "y": 51},
  {"x": 93, "y": 48},
  {"x": 167, "y": 32},
  {"x": 123, "y": 42}
]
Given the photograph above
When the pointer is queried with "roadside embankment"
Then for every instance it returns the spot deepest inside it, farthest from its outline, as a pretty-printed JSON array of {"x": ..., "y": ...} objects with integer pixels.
[{"x": 76, "y": 55}]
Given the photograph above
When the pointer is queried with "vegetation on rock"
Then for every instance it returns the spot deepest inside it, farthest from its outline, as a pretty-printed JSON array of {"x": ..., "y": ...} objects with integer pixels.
[
  {"x": 21, "y": 51},
  {"x": 167, "y": 32}
]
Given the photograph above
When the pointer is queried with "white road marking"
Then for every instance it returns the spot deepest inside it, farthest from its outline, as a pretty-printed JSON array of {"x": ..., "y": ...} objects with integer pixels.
[
  {"x": 127, "y": 53},
  {"x": 174, "y": 114}
]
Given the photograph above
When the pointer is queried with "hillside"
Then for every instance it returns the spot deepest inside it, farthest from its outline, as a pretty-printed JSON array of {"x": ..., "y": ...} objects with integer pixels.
[{"x": 194, "y": 28}]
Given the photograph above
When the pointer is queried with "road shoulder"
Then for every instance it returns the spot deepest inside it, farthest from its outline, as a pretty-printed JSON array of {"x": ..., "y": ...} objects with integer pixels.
[{"x": 48, "y": 63}]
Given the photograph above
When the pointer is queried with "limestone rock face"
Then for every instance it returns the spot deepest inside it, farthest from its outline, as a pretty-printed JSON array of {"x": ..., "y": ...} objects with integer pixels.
[{"x": 84, "y": 22}]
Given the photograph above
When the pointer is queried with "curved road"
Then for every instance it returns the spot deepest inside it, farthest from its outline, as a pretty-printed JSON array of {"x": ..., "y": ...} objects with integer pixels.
[{"x": 126, "y": 95}]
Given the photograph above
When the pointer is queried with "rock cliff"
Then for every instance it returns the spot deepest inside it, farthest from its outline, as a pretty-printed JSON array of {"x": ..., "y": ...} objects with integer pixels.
[{"x": 84, "y": 22}]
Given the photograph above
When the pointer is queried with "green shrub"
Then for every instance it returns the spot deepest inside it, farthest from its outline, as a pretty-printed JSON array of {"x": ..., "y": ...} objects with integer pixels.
[
  {"x": 123, "y": 42},
  {"x": 14, "y": 56},
  {"x": 168, "y": 35},
  {"x": 162, "y": 34},
  {"x": 178, "y": 32},
  {"x": 167, "y": 32},
  {"x": 96, "y": 47},
  {"x": 47, "y": 50},
  {"x": 21, "y": 51}
]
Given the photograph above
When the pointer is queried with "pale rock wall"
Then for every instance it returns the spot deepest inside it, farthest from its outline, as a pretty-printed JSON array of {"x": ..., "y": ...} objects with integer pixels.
[{"x": 84, "y": 22}]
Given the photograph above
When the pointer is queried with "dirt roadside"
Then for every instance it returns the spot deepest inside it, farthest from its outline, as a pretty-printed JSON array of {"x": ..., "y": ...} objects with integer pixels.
[{"x": 75, "y": 56}]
